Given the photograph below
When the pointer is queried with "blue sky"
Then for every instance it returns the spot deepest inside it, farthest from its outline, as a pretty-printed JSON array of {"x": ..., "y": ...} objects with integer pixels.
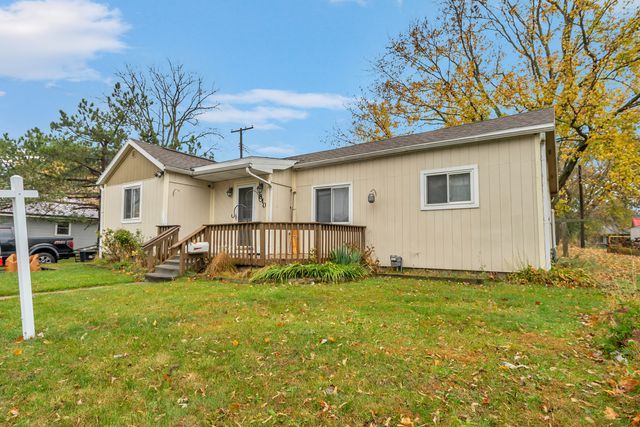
[{"x": 285, "y": 66}]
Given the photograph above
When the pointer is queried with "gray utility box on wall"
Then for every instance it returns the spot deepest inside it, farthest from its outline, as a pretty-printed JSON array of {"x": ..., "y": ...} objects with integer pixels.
[{"x": 396, "y": 261}]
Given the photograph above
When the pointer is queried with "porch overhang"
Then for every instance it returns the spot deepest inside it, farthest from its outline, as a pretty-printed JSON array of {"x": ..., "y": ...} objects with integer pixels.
[{"x": 240, "y": 168}]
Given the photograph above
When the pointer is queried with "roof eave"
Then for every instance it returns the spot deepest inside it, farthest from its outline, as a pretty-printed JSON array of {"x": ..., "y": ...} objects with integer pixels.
[{"x": 528, "y": 130}]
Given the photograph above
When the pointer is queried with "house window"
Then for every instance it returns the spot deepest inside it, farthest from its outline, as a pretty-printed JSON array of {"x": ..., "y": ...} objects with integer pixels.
[
  {"x": 131, "y": 203},
  {"x": 449, "y": 188},
  {"x": 333, "y": 203},
  {"x": 63, "y": 229}
]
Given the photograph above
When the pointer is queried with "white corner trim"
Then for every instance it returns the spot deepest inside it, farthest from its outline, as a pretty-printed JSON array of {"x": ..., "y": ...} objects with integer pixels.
[
  {"x": 349, "y": 185},
  {"x": 475, "y": 188},
  {"x": 137, "y": 220},
  {"x": 118, "y": 157}
]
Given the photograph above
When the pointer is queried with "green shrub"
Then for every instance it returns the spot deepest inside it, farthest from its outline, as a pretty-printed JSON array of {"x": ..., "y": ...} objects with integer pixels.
[
  {"x": 559, "y": 277},
  {"x": 345, "y": 255},
  {"x": 623, "y": 333},
  {"x": 121, "y": 245},
  {"x": 328, "y": 272}
]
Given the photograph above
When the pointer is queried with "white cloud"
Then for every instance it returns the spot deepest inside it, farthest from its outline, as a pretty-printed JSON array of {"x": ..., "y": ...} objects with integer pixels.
[
  {"x": 287, "y": 98},
  {"x": 267, "y": 109},
  {"x": 273, "y": 150},
  {"x": 56, "y": 39},
  {"x": 262, "y": 117},
  {"x": 2, "y": 93}
]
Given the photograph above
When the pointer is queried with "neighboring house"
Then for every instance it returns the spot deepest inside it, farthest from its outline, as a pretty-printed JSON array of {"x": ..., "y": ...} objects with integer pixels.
[
  {"x": 51, "y": 219},
  {"x": 635, "y": 228},
  {"x": 470, "y": 197}
]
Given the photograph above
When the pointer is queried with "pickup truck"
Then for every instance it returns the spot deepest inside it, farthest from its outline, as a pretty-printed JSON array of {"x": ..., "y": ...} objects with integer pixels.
[{"x": 48, "y": 249}]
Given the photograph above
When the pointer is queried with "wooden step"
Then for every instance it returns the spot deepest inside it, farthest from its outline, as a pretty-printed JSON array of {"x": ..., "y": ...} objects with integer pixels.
[{"x": 159, "y": 277}]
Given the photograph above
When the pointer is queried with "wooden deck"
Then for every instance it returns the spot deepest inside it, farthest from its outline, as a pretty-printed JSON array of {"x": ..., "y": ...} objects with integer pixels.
[{"x": 261, "y": 243}]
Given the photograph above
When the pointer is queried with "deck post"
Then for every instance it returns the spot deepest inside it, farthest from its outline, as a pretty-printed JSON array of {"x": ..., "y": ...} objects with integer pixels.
[
  {"x": 263, "y": 245},
  {"x": 183, "y": 256},
  {"x": 318, "y": 231}
]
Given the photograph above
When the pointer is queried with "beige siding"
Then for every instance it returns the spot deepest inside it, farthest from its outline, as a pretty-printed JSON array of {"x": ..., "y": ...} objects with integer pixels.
[
  {"x": 133, "y": 167},
  {"x": 150, "y": 207},
  {"x": 189, "y": 203},
  {"x": 502, "y": 234},
  {"x": 282, "y": 196}
]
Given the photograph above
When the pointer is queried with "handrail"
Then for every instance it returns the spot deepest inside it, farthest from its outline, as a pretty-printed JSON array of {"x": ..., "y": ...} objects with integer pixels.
[
  {"x": 190, "y": 236},
  {"x": 286, "y": 222},
  {"x": 157, "y": 250},
  {"x": 159, "y": 236}
]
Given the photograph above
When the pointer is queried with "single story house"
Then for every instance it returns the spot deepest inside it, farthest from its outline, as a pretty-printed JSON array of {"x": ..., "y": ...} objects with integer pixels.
[
  {"x": 470, "y": 197},
  {"x": 59, "y": 219}
]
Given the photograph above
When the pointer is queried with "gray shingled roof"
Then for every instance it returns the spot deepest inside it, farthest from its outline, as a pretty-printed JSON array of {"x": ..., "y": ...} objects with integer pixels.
[
  {"x": 173, "y": 158},
  {"x": 531, "y": 118},
  {"x": 70, "y": 208}
]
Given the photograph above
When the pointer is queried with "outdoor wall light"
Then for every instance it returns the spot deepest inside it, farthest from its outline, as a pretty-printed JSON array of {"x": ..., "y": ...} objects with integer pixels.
[
  {"x": 372, "y": 196},
  {"x": 159, "y": 174},
  {"x": 260, "y": 188},
  {"x": 230, "y": 192}
]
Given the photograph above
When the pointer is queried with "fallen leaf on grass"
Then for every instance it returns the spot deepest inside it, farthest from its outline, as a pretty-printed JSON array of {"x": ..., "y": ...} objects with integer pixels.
[
  {"x": 14, "y": 412},
  {"x": 331, "y": 389},
  {"x": 19, "y": 340},
  {"x": 628, "y": 384},
  {"x": 183, "y": 402},
  {"x": 235, "y": 343},
  {"x": 636, "y": 420},
  {"x": 405, "y": 422},
  {"x": 610, "y": 414},
  {"x": 17, "y": 351}
]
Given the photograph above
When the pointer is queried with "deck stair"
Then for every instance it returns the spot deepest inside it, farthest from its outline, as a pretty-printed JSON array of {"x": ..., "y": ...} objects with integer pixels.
[{"x": 165, "y": 272}]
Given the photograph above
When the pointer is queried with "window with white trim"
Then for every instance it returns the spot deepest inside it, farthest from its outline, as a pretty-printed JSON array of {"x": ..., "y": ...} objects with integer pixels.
[
  {"x": 333, "y": 203},
  {"x": 131, "y": 203},
  {"x": 63, "y": 229},
  {"x": 449, "y": 188}
]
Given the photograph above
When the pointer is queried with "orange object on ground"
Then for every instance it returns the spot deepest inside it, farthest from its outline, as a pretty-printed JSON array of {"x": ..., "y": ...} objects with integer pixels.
[
  {"x": 34, "y": 264},
  {"x": 11, "y": 264}
]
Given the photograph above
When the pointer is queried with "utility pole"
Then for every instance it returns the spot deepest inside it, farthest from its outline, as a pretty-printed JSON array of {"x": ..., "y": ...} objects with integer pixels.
[
  {"x": 241, "y": 130},
  {"x": 581, "y": 195}
]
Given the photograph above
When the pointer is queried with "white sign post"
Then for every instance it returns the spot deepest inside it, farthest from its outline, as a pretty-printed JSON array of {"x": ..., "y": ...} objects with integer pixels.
[{"x": 18, "y": 194}]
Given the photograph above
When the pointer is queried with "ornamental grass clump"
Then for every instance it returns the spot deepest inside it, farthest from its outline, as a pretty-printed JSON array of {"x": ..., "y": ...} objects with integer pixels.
[
  {"x": 221, "y": 263},
  {"x": 327, "y": 272}
]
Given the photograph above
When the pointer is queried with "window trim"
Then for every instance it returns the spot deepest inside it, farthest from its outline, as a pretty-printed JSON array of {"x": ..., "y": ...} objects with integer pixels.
[
  {"x": 56, "y": 233},
  {"x": 347, "y": 185},
  {"x": 474, "y": 182},
  {"x": 133, "y": 220}
]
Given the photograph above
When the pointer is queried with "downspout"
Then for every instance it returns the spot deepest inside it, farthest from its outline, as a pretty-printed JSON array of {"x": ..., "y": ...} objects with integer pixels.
[{"x": 270, "y": 212}]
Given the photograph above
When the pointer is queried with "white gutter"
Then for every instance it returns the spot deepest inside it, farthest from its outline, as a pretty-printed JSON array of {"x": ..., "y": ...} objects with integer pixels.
[{"x": 430, "y": 145}]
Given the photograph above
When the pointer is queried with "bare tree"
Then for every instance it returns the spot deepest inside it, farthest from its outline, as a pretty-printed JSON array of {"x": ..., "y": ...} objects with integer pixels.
[{"x": 166, "y": 105}]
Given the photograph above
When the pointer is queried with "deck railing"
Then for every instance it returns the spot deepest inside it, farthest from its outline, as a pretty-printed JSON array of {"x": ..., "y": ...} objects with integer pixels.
[
  {"x": 158, "y": 249},
  {"x": 261, "y": 243}
]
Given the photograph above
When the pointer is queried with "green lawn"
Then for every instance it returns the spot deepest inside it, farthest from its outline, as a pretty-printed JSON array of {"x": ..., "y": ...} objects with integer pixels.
[
  {"x": 68, "y": 275},
  {"x": 195, "y": 352}
]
